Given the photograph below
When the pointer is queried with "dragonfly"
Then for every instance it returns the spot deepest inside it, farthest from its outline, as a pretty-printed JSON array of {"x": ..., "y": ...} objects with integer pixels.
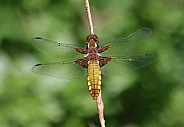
[{"x": 107, "y": 59}]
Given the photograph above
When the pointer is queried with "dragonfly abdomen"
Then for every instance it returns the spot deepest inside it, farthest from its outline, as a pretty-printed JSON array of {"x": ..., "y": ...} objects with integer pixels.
[{"x": 94, "y": 78}]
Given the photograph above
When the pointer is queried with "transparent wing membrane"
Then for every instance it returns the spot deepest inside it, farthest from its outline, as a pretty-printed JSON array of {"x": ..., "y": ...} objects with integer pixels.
[
  {"x": 64, "y": 70},
  {"x": 118, "y": 65},
  {"x": 122, "y": 45},
  {"x": 56, "y": 49},
  {"x": 126, "y": 64}
]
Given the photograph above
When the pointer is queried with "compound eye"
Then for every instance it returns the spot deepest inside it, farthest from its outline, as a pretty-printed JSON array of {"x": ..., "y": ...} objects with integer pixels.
[
  {"x": 95, "y": 38},
  {"x": 92, "y": 37},
  {"x": 88, "y": 38}
]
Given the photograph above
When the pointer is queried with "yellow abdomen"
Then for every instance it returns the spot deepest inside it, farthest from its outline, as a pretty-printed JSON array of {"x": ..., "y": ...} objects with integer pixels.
[{"x": 94, "y": 78}]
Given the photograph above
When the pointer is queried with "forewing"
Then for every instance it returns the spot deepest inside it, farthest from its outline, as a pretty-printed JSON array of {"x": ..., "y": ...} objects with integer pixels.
[
  {"x": 126, "y": 64},
  {"x": 122, "y": 45},
  {"x": 56, "y": 49},
  {"x": 64, "y": 70}
]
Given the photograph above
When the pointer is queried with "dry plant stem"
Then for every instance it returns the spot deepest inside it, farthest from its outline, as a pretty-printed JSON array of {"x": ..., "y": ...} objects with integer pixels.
[
  {"x": 89, "y": 17},
  {"x": 99, "y": 102},
  {"x": 100, "y": 107}
]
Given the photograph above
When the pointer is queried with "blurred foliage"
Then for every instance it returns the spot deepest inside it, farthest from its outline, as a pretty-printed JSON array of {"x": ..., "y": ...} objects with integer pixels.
[{"x": 150, "y": 97}]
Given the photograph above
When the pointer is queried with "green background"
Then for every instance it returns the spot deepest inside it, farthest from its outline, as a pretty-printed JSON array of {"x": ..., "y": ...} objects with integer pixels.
[{"x": 150, "y": 97}]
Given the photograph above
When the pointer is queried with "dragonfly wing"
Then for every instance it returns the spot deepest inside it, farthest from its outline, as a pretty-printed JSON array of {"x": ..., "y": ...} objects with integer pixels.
[
  {"x": 56, "y": 49},
  {"x": 126, "y": 64},
  {"x": 122, "y": 45},
  {"x": 64, "y": 70}
]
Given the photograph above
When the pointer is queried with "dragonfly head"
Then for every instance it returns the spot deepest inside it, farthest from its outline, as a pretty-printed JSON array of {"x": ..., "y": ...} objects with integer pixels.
[{"x": 92, "y": 41}]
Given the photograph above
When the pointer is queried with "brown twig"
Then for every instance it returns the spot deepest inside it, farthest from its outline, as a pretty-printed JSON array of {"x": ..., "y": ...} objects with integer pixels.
[
  {"x": 100, "y": 107},
  {"x": 99, "y": 102},
  {"x": 89, "y": 17}
]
